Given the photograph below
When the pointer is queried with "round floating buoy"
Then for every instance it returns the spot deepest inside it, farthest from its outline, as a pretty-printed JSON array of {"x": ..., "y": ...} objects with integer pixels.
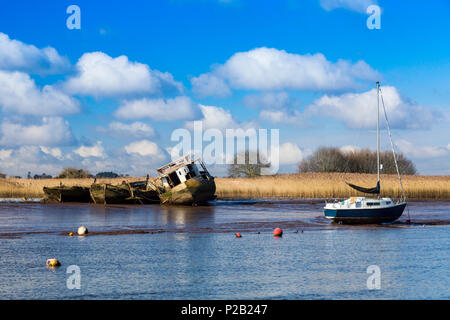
[
  {"x": 82, "y": 231},
  {"x": 238, "y": 235},
  {"x": 277, "y": 232},
  {"x": 70, "y": 234},
  {"x": 53, "y": 263}
]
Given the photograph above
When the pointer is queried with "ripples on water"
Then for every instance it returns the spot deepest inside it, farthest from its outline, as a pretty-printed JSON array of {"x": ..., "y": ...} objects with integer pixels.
[{"x": 153, "y": 252}]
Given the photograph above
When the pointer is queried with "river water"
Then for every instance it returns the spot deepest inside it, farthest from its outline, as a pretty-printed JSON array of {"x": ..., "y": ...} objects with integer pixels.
[{"x": 157, "y": 252}]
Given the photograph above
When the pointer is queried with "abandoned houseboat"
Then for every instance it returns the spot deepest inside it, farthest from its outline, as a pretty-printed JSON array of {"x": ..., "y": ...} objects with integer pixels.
[{"x": 185, "y": 181}]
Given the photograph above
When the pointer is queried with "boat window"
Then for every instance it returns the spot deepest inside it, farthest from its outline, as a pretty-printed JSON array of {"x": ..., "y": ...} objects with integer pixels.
[
  {"x": 373, "y": 204},
  {"x": 358, "y": 204},
  {"x": 174, "y": 179}
]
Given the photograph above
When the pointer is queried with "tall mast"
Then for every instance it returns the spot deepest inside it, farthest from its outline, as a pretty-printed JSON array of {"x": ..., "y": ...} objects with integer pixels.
[{"x": 378, "y": 131}]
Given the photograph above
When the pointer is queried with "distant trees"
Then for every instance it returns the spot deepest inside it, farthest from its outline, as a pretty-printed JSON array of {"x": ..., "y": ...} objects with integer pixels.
[
  {"x": 42, "y": 176},
  {"x": 250, "y": 168},
  {"x": 109, "y": 174},
  {"x": 2, "y": 175},
  {"x": 329, "y": 159},
  {"x": 74, "y": 173}
]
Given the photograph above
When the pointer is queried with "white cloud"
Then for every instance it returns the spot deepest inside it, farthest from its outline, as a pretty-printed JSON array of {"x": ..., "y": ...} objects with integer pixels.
[
  {"x": 5, "y": 154},
  {"x": 54, "y": 152},
  {"x": 132, "y": 130},
  {"x": 219, "y": 118},
  {"x": 52, "y": 131},
  {"x": 290, "y": 153},
  {"x": 420, "y": 151},
  {"x": 158, "y": 109},
  {"x": 143, "y": 148},
  {"x": 273, "y": 69},
  {"x": 95, "y": 151},
  {"x": 30, "y": 159},
  {"x": 19, "y": 94},
  {"x": 102, "y": 75},
  {"x": 354, "y": 5},
  {"x": 349, "y": 149},
  {"x": 210, "y": 85},
  {"x": 358, "y": 110},
  {"x": 16, "y": 55},
  {"x": 283, "y": 116}
]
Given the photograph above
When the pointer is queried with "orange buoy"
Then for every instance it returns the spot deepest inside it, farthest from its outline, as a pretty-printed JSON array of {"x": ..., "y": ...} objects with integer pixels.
[
  {"x": 238, "y": 235},
  {"x": 277, "y": 232}
]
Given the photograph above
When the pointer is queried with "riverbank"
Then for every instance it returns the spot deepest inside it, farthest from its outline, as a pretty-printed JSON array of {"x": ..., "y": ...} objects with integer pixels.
[{"x": 305, "y": 185}]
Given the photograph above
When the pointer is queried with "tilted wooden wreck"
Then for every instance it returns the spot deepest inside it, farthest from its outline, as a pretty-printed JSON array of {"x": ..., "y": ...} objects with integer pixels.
[
  {"x": 140, "y": 192},
  {"x": 66, "y": 194},
  {"x": 184, "y": 181}
]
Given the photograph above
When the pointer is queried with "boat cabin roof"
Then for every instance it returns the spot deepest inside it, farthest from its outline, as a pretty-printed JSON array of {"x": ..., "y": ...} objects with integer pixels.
[{"x": 174, "y": 165}]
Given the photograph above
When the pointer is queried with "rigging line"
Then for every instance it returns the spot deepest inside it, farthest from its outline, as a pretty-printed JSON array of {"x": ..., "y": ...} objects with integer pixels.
[{"x": 392, "y": 146}]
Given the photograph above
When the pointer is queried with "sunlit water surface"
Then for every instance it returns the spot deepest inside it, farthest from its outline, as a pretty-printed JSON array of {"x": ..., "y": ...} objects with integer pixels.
[{"x": 153, "y": 252}]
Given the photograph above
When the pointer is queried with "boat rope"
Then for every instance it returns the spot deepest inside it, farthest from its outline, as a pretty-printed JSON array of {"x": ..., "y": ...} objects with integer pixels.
[{"x": 393, "y": 149}]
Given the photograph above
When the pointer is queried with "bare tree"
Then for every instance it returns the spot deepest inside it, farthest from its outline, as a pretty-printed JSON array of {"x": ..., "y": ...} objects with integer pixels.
[
  {"x": 253, "y": 163},
  {"x": 328, "y": 159}
]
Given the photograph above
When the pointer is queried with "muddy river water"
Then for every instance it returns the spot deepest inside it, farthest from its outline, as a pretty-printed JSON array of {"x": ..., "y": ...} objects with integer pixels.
[{"x": 157, "y": 252}]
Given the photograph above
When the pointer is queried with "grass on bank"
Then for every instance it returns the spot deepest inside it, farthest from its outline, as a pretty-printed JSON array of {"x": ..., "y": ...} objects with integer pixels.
[{"x": 303, "y": 185}]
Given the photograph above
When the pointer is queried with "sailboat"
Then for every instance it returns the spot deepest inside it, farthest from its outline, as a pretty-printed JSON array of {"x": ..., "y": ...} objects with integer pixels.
[{"x": 364, "y": 209}]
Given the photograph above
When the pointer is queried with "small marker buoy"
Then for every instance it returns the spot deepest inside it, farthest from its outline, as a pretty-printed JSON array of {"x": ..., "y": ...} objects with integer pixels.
[
  {"x": 238, "y": 235},
  {"x": 53, "y": 263},
  {"x": 70, "y": 234},
  {"x": 408, "y": 221},
  {"x": 277, "y": 232},
  {"x": 82, "y": 231}
]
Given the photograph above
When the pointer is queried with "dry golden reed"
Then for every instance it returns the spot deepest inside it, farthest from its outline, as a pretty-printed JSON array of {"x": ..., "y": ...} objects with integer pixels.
[
  {"x": 303, "y": 185},
  {"x": 332, "y": 185}
]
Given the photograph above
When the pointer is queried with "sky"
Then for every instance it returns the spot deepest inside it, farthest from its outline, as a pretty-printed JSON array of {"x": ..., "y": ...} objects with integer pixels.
[{"x": 108, "y": 96}]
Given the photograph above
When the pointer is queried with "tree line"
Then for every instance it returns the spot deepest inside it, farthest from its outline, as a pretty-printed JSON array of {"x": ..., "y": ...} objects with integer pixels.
[{"x": 331, "y": 159}]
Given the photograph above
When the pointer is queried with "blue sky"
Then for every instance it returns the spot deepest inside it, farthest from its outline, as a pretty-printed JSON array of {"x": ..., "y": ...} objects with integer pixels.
[{"x": 108, "y": 96}]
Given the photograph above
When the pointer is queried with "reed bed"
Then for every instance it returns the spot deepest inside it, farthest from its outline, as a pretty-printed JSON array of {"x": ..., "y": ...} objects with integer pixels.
[
  {"x": 332, "y": 185},
  {"x": 304, "y": 185}
]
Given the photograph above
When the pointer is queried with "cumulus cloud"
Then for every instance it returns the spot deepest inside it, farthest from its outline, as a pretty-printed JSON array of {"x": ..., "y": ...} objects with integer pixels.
[
  {"x": 133, "y": 130},
  {"x": 219, "y": 118},
  {"x": 420, "y": 151},
  {"x": 16, "y": 55},
  {"x": 51, "y": 132},
  {"x": 54, "y": 152},
  {"x": 283, "y": 116},
  {"x": 158, "y": 109},
  {"x": 354, "y": 5},
  {"x": 95, "y": 151},
  {"x": 5, "y": 154},
  {"x": 358, "y": 110},
  {"x": 273, "y": 69},
  {"x": 19, "y": 94},
  {"x": 290, "y": 153},
  {"x": 101, "y": 75},
  {"x": 143, "y": 148},
  {"x": 32, "y": 159}
]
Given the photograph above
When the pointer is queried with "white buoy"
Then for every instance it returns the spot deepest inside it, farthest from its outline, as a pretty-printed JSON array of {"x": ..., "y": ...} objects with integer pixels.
[{"x": 82, "y": 231}]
